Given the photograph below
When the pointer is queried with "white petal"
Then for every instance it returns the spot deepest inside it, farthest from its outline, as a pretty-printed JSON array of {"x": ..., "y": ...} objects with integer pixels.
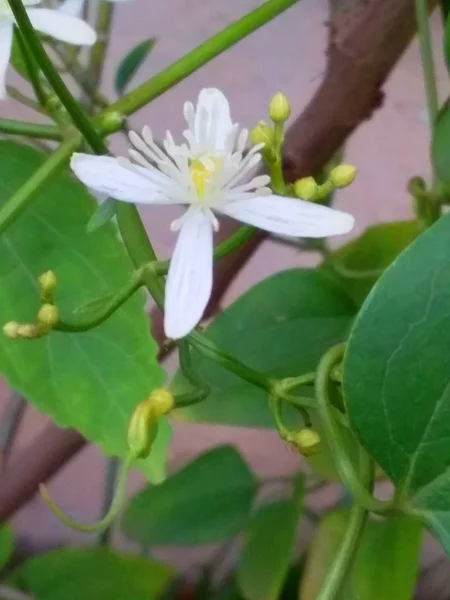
[
  {"x": 72, "y": 7},
  {"x": 6, "y": 34},
  {"x": 61, "y": 26},
  {"x": 212, "y": 123},
  {"x": 108, "y": 175},
  {"x": 289, "y": 216},
  {"x": 189, "y": 281}
]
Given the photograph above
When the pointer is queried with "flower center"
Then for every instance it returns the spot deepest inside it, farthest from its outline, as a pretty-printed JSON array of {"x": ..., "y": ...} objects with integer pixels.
[{"x": 203, "y": 172}]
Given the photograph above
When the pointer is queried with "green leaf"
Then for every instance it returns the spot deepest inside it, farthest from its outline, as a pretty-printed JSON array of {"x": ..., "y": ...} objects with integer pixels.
[
  {"x": 386, "y": 565},
  {"x": 440, "y": 144},
  {"x": 281, "y": 326},
  {"x": 207, "y": 501},
  {"x": 92, "y": 574},
  {"x": 17, "y": 60},
  {"x": 360, "y": 263},
  {"x": 131, "y": 63},
  {"x": 446, "y": 9},
  {"x": 102, "y": 215},
  {"x": 89, "y": 381},
  {"x": 6, "y": 545},
  {"x": 397, "y": 376},
  {"x": 268, "y": 545}
]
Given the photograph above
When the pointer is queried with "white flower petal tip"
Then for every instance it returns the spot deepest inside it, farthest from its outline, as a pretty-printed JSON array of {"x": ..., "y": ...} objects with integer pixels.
[{"x": 62, "y": 26}]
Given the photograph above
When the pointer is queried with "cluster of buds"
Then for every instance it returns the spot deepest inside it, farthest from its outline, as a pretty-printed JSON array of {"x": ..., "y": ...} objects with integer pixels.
[
  {"x": 262, "y": 133},
  {"x": 47, "y": 316},
  {"x": 341, "y": 176},
  {"x": 306, "y": 441}
]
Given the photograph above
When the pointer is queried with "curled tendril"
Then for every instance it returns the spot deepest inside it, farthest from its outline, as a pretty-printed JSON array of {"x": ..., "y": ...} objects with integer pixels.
[{"x": 114, "y": 510}]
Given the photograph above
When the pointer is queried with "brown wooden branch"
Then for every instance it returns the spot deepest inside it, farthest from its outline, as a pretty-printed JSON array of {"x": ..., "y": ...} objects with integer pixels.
[{"x": 366, "y": 39}]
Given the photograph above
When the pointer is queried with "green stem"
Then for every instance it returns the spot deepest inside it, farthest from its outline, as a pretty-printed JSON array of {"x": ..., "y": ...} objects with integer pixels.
[
  {"x": 34, "y": 75},
  {"x": 333, "y": 434},
  {"x": 33, "y": 130},
  {"x": 25, "y": 194},
  {"x": 108, "y": 309},
  {"x": 198, "y": 57},
  {"x": 201, "y": 390},
  {"x": 112, "y": 479},
  {"x": 333, "y": 585},
  {"x": 426, "y": 51},
  {"x": 275, "y": 166},
  {"x": 17, "y": 95},
  {"x": 54, "y": 79}
]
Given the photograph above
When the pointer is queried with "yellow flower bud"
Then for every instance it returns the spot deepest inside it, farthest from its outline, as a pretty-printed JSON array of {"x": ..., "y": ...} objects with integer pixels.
[
  {"x": 306, "y": 188},
  {"x": 10, "y": 329},
  {"x": 343, "y": 175},
  {"x": 162, "y": 401},
  {"x": 279, "y": 108},
  {"x": 112, "y": 120},
  {"x": 262, "y": 134},
  {"x": 323, "y": 190},
  {"x": 142, "y": 429},
  {"x": 48, "y": 315},
  {"x": 28, "y": 331},
  {"x": 307, "y": 441},
  {"x": 47, "y": 282}
]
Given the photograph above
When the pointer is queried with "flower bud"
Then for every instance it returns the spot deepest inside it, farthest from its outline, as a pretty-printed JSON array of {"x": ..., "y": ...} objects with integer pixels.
[
  {"x": 262, "y": 134},
  {"x": 142, "y": 429},
  {"x": 323, "y": 190},
  {"x": 10, "y": 329},
  {"x": 111, "y": 121},
  {"x": 28, "y": 331},
  {"x": 47, "y": 282},
  {"x": 279, "y": 108},
  {"x": 343, "y": 175},
  {"x": 48, "y": 315},
  {"x": 306, "y": 188},
  {"x": 307, "y": 441},
  {"x": 162, "y": 401}
]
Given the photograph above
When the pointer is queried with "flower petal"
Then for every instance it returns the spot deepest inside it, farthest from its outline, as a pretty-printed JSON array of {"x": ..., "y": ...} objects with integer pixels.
[
  {"x": 61, "y": 26},
  {"x": 72, "y": 7},
  {"x": 6, "y": 36},
  {"x": 189, "y": 281},
  {"x": 289, "y": 216},
  {"x": 110, "y": 176},
  {"x": 212, "y": 122}
]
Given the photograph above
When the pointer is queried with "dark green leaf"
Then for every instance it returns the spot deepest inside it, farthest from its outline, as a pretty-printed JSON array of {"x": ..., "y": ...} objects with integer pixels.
[
  {"x": 386, "y": 565},
  {"x": 92, "y": 574},
  {"x": 207, "y": 501},
  {"x": 131, "y": 63},
  {"x": 17, "y": 60},
  {"x": 446, "y": 9},
  {"x": 440, "y": 145},
  {"x": 102, "y": 215},
  {"x": 281, "y": 326},
  {"x": 268, "y": 544},
  {"x": 397, "y": 376},
  {"x": 6, "y": 545},
  {"x": 90, "y": 381},
  {"x": 360, "y": 263}
]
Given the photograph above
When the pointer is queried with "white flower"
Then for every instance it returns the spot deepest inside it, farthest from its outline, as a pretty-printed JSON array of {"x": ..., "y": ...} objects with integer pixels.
[
  {"x": 209, "y": 174},
  {"x": 54, "y": 23},
  {"x": 75, "y": 7}
]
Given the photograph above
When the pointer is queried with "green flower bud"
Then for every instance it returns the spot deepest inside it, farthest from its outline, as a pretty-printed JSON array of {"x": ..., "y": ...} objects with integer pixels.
[
  {"x": 111, "y": 121},
  {"x": 48, "y": 315},
  {"x": 306, "y": 188},
  {"x": 279, "y": 108},
  {"x": 28, "y": 331},
  {"x": 142, "y": 429},
  {"x": 262, "y": 134},
  {"x": 307, "y": 441},
  {"x": 162, "y": 401},
  {"x": 343, "y": 175},
  {"x": 47, "y": 282},
  {"x": 10, "y": 329}
]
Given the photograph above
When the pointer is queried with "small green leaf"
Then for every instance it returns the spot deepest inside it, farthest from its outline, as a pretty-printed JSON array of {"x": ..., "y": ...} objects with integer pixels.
[
  {"x": 102, "y": 215},
  {"x": 131, "y": 63},
  {"x": 17, "y": 60},
  {"x": 92, "y": 574},
  {"x": 282, "y": 326},
  {"x": 207, "y": 501},
  {"x": 440, "y": 144},
  {"x": 397, "y": 377},
  {"x": 360, "y": 263},
  {"x": 387, "y": 561},
  {"x": 89, "y": 381},
  {"x": 6, "y": 545},
  {"x": 268, "y": 545}
]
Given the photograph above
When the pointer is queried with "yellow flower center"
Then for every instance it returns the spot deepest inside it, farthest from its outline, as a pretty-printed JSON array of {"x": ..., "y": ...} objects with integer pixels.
[{"x": 201, "y": 175}]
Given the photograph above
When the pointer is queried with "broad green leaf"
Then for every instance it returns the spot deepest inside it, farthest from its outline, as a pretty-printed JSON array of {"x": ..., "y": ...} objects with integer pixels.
[
  {"x": 6, "y": 545},
  {"x": 281, "y": 326},
  {"x": 131, "y": 63},
  {"x": 92, "y": 574},
  {"x": 397, "y": 376},
  {"x": 440, "y": 144},
  {"x": 102, "y": 215},
  {"x": 268, "y": 545},
  {"x": 207, "y": 501},
  {"x": 386, "y": 565},
  {"x": 89, "y": 381},
  {"x": 359, "y": 263}
]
